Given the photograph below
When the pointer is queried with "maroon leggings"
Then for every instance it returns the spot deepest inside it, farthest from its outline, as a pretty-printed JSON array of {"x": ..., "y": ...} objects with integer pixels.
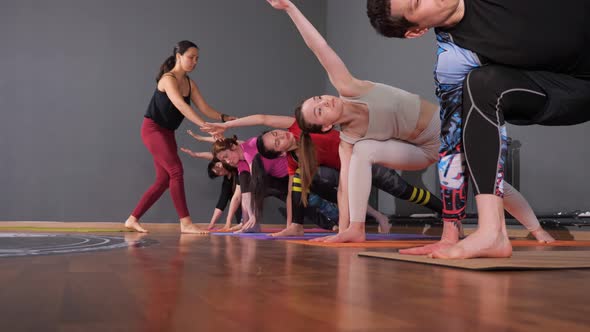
[{"x": 169, "y": 172}]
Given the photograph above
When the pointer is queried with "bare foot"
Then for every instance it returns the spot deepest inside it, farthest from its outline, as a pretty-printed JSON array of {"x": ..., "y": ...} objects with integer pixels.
[
  {"x": 542, "y": 236},
  {"x": 292, "y": 230},
  {"x": 236, "y": 227},
  {"x": 354, "y": 233},
  {"x": 482, "y": 243},
  {"x": 192, "y": 229},
  {"x": 133, "y": 224},
  {"x": 451, "y": 232},
  {"x": 322, "y": 239},
  {"x": 429, "y": 248}
]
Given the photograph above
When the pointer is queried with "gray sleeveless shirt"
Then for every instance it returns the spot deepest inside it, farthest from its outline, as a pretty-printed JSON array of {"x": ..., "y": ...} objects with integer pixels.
[{"x": 393, "y": 113}]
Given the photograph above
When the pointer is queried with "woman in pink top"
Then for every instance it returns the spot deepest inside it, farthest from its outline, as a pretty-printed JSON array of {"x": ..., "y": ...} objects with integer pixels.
[{"x": 258, "y": 176}]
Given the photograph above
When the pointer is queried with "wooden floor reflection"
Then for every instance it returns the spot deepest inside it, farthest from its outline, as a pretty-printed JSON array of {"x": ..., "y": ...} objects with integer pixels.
[{"x": 225, "y": 283}]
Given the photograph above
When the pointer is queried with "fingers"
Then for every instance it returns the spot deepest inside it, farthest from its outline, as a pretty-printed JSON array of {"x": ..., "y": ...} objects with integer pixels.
[{"x": 187, "y": 151}]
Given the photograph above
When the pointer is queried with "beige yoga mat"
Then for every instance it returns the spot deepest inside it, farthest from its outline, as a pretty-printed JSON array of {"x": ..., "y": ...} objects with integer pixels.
[{"x": 520, "y": 260}]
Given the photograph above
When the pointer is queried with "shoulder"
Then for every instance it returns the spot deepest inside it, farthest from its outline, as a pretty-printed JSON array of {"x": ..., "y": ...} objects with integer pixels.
[
  {"x": 357, "y": 89},
  {"x": 167, "y": 80}
]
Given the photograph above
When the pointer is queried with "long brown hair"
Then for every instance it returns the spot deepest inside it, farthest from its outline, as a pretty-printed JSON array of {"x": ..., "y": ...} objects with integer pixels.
[{"x": 308, "y": 163}]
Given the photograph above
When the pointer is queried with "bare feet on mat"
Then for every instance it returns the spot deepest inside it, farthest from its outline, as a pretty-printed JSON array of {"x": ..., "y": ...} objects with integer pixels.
[
  {"x": 451, "y": 232},
  {"x": 323, "y": 238},
  {"x": 223, "y": 229},
  {"x": 236, "y": 227},
  {"x": 133, "y": 224},
  {"x": 489, "y": 240},
  {"x": 292, "y": 230},
  {"x": 482, "y": 243},
  {"x": 429, "y": 248},
  {"x": 354, "y": 233},
  {"x": 542, "y": 236}
]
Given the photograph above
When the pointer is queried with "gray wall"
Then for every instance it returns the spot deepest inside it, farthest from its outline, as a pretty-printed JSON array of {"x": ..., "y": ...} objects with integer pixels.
[
  {"x": 77, "y": 77},
  {"x": 553, "y": 160}
]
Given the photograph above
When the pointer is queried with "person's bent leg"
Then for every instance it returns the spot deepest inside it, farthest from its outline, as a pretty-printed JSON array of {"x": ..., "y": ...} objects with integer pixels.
[
  {"x": 490, "y": 94},
  {"x": 169, "y": 160},
  {"x": 391, "y": 182},
  {"x": 520, "y": 209},
  {"x": 154, "y": 138},
  {"x": 393, "y": 154}
]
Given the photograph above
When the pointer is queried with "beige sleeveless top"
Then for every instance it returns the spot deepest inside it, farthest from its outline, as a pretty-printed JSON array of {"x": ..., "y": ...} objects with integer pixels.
[{"x": 393, "y": 113}]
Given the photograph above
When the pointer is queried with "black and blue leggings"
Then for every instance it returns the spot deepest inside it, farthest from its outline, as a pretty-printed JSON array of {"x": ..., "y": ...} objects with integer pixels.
[{"x": 494, "y": 95}]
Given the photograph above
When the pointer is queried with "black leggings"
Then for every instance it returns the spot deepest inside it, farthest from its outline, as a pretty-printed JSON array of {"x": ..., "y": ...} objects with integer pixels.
[
  {"x": 493, "y": 95},
  {"x": 325, "y": 184}
]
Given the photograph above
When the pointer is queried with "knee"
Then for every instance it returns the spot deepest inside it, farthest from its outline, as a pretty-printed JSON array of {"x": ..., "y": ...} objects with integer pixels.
[
  {"x": 482, "y": 86},
  {"x": 363, "y": 150},
  {"x": 326, "y": 176},
  {"x": 162, "y": 179},
  {"x": 176, "y": 173}
]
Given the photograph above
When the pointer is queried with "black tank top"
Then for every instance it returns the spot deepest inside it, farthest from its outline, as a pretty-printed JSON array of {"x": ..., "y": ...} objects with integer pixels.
[
  {"x": 530, "y": 34},
  {"x": 163, "y": 112}
]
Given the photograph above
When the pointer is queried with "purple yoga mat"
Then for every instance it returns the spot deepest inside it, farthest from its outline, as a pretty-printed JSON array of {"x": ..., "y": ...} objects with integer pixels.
[{"x": 371, "y": 236}]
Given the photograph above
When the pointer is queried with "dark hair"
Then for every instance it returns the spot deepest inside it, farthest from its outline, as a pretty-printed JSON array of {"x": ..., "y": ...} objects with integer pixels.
[
  {"x": 180, "y": 48},
  {"x": 258, "y": 184},
  {"x": 379, "y": 13},
  {"x": 266, "y": 153},
  {"x": 211, "y": 168},
  {"x": 308, "y": 163},
  {"x": 225, "y": 144}
]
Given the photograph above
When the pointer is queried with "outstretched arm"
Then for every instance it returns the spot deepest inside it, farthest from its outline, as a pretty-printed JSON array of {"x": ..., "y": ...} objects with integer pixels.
[
  {"x": 202, "y": 105},
  {"x": 341, "y": 79},
  {"x": 202, "y": 155},
  {"x": 206, "y": 139},
  {"x": 274, "y": 121}
]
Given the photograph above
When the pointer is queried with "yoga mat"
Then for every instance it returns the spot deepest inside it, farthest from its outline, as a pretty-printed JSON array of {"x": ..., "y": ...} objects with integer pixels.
[
  {"x": 307, "y": 230},
  {"x": 402, "y": 244},
  {"x": 308, "y": 236},
  {"x": 62, "y": 229},
  {"x": 520, "y": 260},
  {"x": 266, "y": 231}
]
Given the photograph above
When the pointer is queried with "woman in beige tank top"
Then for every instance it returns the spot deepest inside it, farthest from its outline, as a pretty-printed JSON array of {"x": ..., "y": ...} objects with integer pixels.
[{"x": 379, "y": 124}]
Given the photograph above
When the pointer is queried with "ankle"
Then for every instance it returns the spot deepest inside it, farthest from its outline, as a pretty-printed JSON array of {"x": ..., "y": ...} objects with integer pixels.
[{"x": 357, "y": 226}]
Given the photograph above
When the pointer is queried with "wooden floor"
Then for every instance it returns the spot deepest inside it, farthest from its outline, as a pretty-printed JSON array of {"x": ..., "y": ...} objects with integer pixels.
[{"x": 224, "y": 283}]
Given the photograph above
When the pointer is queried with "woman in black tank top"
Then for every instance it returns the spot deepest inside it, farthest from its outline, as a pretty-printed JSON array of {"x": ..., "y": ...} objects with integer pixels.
[{"x": 169, "y": 105}]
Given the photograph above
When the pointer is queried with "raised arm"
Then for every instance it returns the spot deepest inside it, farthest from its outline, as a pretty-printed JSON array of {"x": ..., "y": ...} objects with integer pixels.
[
  {"x": 341, "y": 79},
  {"x": 275, "y": 121}
]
